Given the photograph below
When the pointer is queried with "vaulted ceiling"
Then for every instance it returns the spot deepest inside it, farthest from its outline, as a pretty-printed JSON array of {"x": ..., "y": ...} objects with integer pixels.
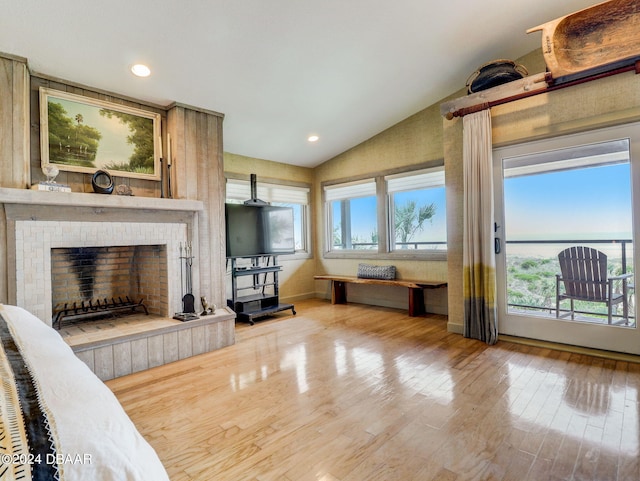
[{"x": 280, "y": 70}]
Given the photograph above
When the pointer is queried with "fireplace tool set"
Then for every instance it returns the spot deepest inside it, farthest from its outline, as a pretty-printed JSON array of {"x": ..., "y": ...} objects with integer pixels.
[{"x": 186, "y": 278}]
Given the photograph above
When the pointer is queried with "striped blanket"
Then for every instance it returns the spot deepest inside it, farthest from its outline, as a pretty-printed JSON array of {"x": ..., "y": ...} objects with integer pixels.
[{"x": 58, "y": 421}]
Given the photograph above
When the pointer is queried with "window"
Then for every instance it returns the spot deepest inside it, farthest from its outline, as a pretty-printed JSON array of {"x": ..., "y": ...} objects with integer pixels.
[
  {"x": 417, "y": 210},
  {"x": 395, "y": 215},
  {"x": 353, "y": 215},
  {"x": 280, "y": 195}
]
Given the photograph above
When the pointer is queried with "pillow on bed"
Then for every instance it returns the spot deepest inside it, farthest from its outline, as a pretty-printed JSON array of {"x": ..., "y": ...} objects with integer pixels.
[{"x": 366, "y": 271}]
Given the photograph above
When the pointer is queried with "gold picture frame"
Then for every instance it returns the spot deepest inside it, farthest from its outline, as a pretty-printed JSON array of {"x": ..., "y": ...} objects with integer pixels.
[{"x": 83, "y": 134}]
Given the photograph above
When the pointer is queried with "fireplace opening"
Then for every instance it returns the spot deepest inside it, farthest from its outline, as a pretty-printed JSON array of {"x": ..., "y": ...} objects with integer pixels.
[{"x": 90, "y": 283}]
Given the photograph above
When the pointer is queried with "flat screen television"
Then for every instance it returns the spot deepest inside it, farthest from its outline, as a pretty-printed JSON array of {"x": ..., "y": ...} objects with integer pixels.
[{"x": 254, "y": 230}]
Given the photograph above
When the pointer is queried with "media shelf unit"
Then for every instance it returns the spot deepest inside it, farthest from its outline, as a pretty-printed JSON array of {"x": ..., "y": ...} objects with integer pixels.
[{"x": 264, "y": 299}]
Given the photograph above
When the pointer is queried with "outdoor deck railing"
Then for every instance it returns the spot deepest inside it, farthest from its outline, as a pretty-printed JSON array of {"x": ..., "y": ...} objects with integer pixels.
[
  {"x": 621, "y": 242},
  {"x": 623, "y": 249}
]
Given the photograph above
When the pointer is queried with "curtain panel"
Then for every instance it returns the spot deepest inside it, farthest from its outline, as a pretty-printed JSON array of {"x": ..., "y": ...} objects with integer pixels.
[{"x": 479, "y": 261}]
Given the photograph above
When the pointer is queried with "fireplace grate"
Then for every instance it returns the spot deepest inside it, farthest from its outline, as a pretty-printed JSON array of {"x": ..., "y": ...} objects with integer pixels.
[{"x": 90, "y": 310}]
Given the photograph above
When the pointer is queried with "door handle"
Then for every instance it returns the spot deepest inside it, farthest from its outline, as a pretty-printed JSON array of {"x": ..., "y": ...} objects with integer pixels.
[{"x": 496, "y": 245}]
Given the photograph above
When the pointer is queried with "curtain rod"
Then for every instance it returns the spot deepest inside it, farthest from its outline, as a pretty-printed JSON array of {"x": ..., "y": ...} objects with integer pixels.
[{"x": 519, "y": 89}]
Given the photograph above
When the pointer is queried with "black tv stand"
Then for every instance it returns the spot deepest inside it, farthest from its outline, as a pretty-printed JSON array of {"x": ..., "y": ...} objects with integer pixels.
[{"x": 260, "y": 302}]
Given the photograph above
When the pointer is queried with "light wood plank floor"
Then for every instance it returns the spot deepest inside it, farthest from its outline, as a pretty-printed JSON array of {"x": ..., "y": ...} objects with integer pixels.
[{"x": 355, "y": 393}]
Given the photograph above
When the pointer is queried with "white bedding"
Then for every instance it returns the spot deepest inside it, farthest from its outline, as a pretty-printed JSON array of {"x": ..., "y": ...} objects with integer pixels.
[{"x": 92, "y": 437}]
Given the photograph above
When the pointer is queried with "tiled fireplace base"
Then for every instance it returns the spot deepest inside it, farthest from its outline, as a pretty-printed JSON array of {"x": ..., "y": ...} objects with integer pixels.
[{"x": 165, "y": 341}]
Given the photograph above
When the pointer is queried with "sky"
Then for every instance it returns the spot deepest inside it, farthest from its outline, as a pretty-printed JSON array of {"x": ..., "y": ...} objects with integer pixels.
[
  {"x": 591, "y": 202},
  {"x": 582, "y": 204}
]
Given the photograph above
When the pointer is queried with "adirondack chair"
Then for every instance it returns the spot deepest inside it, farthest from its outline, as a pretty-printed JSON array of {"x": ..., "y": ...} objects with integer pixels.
[{"x": 585, "y": 278}]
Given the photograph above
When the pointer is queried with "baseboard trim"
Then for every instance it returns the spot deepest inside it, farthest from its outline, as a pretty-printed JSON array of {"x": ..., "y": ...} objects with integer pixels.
[
  {"x": 455, "y": 328},
  {"x": 298, "y": 297},
  {"x": 616, "y": 356}
]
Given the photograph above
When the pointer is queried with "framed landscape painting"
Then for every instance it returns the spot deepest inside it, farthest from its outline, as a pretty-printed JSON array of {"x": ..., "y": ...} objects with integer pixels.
[{"x": 82, "y": 134}]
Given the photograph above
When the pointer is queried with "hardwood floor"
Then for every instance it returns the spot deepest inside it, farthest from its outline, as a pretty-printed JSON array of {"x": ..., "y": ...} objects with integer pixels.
[{"x": 360, "y": 393}]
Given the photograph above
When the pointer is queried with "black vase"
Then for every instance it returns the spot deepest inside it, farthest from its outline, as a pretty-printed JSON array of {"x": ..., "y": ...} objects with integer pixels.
[{"x": 102, "y": 182}]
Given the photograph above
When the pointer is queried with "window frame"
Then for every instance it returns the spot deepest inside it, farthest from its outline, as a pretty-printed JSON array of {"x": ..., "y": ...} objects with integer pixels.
[
  {"x": 307, "y": 250},
  {"x": 383, "y": 220},
  {"x": 367, "y": 186},
  {"x": 428, "y": 178}
]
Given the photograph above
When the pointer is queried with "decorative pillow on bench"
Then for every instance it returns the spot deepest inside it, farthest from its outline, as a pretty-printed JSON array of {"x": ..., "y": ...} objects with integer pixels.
[{"x": 366, "y": 271}]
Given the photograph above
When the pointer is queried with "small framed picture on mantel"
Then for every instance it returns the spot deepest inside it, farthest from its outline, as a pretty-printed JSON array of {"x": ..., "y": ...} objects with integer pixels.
[{"x": 82, "y": 134}]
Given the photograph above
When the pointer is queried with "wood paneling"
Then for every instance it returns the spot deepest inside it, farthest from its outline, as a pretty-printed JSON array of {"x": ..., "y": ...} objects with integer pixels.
[
  {"x": 14, "y": 123},
  {"x": 198, "y": 174},
  {"x": 14, "y": 142}
]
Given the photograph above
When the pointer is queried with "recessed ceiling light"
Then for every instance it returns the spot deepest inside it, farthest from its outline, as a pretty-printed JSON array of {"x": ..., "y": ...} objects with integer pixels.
[
  {"x": 140, "y": 70},
  {"x": 313, "y": 138}
]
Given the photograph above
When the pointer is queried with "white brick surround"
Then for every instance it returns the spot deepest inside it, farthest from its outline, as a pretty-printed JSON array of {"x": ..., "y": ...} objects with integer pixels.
[
  {"x": 35, "y": 239},
  {"x": 37, "y": 222}
]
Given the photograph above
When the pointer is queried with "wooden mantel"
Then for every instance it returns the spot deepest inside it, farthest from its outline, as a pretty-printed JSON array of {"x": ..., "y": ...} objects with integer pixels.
[{"x": 75, "y": 199}]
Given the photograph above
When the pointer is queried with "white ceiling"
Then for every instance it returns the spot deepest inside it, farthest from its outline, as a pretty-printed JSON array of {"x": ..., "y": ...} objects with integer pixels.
[{"x": 279, "y": 70}]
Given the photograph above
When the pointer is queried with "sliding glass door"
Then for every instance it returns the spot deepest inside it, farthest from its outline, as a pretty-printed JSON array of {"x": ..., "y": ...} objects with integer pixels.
[{"x": 565, "y": 239}]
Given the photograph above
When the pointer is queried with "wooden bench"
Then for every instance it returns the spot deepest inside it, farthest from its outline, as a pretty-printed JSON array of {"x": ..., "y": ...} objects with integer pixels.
[{"x": 416, "y": 289}]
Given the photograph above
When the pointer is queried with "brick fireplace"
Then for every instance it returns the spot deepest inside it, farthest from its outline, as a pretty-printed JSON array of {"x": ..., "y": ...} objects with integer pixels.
[
  {"x": 36, "y": 240},
  {"x": 48, "y": 235}
]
